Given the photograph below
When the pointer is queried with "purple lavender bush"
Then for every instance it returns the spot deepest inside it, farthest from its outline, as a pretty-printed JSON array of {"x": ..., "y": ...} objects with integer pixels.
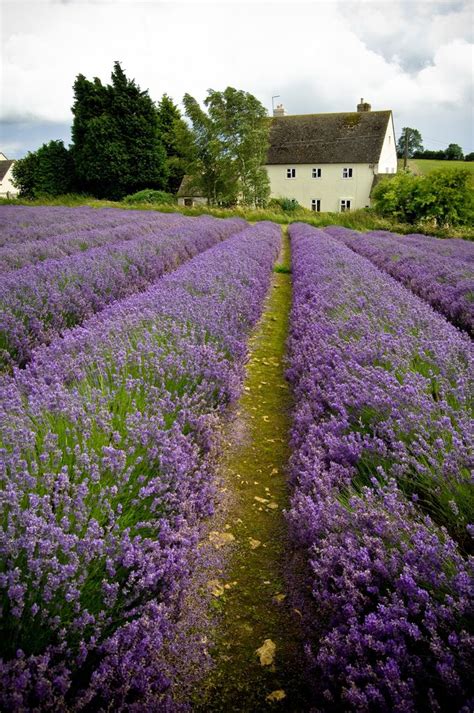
[
  {"x": 382, "y": 499},
  {"x": 40, "y": 301},
  {"x": 28, "y": 224},
  {"x": 439, "y": 271},
  {"x": 107, "y": 439},
  {"x": 80, "y": 230}
]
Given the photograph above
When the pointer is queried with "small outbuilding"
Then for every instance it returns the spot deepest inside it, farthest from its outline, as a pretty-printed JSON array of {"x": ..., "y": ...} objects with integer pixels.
[{"x": 189, "y": 194}]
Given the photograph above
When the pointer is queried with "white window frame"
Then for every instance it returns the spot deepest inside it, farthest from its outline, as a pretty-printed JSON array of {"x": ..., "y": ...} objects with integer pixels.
[
  {"x": 343, "y": 207},
  {"x": 347, "y": 172},
  {"x": 291, "y": 173},
  {"x": 316, "y": 205},
  {"x": 316, "y": 173}
]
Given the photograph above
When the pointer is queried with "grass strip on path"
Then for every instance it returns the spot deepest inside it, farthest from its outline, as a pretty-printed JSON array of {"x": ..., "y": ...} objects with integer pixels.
[{"x": 250, "y": 595}]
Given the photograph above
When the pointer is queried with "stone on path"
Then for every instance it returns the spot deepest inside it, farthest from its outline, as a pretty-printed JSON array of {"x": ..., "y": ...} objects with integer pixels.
[
  {"x": 276, "y": 696},
  {"x": 266, "y": 652}
]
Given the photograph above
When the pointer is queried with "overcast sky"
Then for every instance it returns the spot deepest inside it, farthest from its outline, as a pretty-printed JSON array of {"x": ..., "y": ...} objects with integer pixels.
[{"x": 415, "y": 58}]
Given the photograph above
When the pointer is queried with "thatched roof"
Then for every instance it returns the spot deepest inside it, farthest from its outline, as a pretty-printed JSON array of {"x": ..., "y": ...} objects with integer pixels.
[
  {"x": 189, "y": 189},
  {"x": 347, "y": 137},
  {"x": 4, "y": 166}
]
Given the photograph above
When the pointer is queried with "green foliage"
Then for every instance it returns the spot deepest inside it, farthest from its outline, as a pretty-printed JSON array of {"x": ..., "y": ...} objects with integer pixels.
[
  {"x": 48, "y": 171},
  {"x": 149, "y": 195},
  {"x": 432, "y": 155},
  {"x": 116, "y": 145},
  {"x": 287, "y": 205},
  {"x": 469, "y": 156},
  {"x": 443, "y": 197},
  {"x": 178, "y": 142},
  {"x": 231, "y": 143},
  {"x": 414, "y": 140},
  {"x": 454, "y": 153}
]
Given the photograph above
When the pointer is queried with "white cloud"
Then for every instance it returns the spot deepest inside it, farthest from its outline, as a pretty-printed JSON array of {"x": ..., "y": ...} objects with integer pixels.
[{"x": 319, "y": 56}]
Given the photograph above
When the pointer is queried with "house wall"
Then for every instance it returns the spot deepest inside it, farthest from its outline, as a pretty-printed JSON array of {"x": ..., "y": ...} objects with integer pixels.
[
  {"x": 330, "y": 188},
  {"x": 196, "y": 200},
  {"x": 7, "y": 189},
  {"x": 388, "y": 155}
]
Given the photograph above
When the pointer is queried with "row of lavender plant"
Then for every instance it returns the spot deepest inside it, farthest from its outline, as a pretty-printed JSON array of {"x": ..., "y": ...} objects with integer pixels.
[
  {"x": 40, "y": 301},
  {"x": 382, "y": 499},
  {"x": 19, "y": 224},
  {"x": 439, "y": 271},
  {"x": 107, "y": 441},
  {"x": 77, "y": 236}
]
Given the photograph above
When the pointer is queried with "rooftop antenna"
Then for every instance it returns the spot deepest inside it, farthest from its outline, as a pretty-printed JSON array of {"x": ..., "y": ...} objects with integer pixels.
[{"x": 275, "y": 96}]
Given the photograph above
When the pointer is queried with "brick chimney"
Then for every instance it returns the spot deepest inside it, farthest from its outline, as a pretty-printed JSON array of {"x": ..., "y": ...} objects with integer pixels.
[
  {"x": 279, "y": 110},
  {"x": 363, "y": 106}
]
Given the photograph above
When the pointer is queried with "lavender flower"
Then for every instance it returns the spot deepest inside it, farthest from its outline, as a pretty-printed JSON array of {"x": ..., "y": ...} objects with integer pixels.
[
  {"x": 382, "y": 389},
  {"x": 439, "y": 271},
  {"x": 106, "y": 477},
  {"x": 42, "y": 300}
]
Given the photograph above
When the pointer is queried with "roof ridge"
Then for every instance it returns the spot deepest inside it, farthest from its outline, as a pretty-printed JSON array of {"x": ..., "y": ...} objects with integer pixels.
[{"x": 333, "y": 113}]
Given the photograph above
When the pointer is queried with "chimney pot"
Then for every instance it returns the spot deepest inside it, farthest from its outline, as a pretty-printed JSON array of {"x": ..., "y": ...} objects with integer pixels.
[
  {"x": 279, "y": 110},
  {"x": 363, "y": 106}
]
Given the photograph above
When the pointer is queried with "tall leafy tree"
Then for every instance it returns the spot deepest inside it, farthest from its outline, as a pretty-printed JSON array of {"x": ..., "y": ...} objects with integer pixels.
[
  {"x": 177, "y": 141},
  {"x": 47, "y": 171},
  {"x": 242, "y": 125},
  {"x": 232, "y": 141},
  {"x": 412, "y": 137},
  {"x": 211, "y": 169},
  {"x": 454, "y": 153},
  {"x": 116, "y": 143}
]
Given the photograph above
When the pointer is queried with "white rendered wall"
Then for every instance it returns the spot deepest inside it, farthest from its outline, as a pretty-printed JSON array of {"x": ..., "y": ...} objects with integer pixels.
[
  {"x": 388, "y": 155},
  {"x": 197, "y": 200},
  {"x": 6, "y": 186},
  {"x": 329, "y": 189}
]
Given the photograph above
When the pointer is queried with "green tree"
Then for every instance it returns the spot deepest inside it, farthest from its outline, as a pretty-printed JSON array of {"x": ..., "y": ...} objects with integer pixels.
[
  {"x": 177, "y": 140},
  {"x": 242, "y": 125},
  {"x": 469, "y": 156},
  {"x": 231, "y": 141},
  {"x": 116, "y": 144},
  {"x": 415, "y": 142},
  {"x": 454, "y": 153},
  {"x": 23, "y": 172},
  {"x": 211, "y": 169},
  {"x": 47, "y": 171}
]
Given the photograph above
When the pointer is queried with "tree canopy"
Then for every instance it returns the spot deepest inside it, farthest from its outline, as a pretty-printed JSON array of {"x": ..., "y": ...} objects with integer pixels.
[
  {"x": 116, "y": 144},
  {"x": 412, "y": 137},
  {"x": 47, "y": 171},
  {"x": 177, "y": 140},
  {"x": 231, "y": 141}
]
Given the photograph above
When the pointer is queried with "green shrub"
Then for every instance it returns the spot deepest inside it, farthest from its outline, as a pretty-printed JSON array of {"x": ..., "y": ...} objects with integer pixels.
[
  {"x": 443, "y": 197},
  {"x": 148, "y": 195},
  {"x": 288, "y": 205}
]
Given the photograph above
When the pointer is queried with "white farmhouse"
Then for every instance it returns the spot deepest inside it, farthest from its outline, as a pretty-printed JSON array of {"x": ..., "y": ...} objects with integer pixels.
[
  {"x": 329, "y": 162},
  {"x": 7, "y": 189}
]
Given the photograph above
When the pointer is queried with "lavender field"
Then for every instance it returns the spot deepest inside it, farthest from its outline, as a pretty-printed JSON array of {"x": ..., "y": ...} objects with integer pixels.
[{"x": 126, "y": 339}]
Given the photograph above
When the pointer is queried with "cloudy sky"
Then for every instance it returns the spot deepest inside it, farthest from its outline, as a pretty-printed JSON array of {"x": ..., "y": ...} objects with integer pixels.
[{"x": 415, "y": 58}]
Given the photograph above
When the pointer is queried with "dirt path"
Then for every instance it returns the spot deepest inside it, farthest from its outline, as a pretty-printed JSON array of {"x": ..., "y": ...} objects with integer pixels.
[{"x": 250, "y": 595}]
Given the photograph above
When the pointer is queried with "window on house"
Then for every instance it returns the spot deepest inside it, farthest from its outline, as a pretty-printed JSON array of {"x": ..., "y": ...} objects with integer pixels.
[
  {"x": 345, "y": 204},
  {"x": 347, "y": 172},
  {"x": 316, "y": 173},
  {"x": 188, "y": 201},
  {"x": 291, "y": 172},
  {"x": 316, "y": 205}
]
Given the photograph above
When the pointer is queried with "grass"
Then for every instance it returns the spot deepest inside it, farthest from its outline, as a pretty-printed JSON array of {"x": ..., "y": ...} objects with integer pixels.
[
  {"x": 253, "y": 470},
  {"x": 362, "y": 220},
  {"x": 425, "y": 166}
]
